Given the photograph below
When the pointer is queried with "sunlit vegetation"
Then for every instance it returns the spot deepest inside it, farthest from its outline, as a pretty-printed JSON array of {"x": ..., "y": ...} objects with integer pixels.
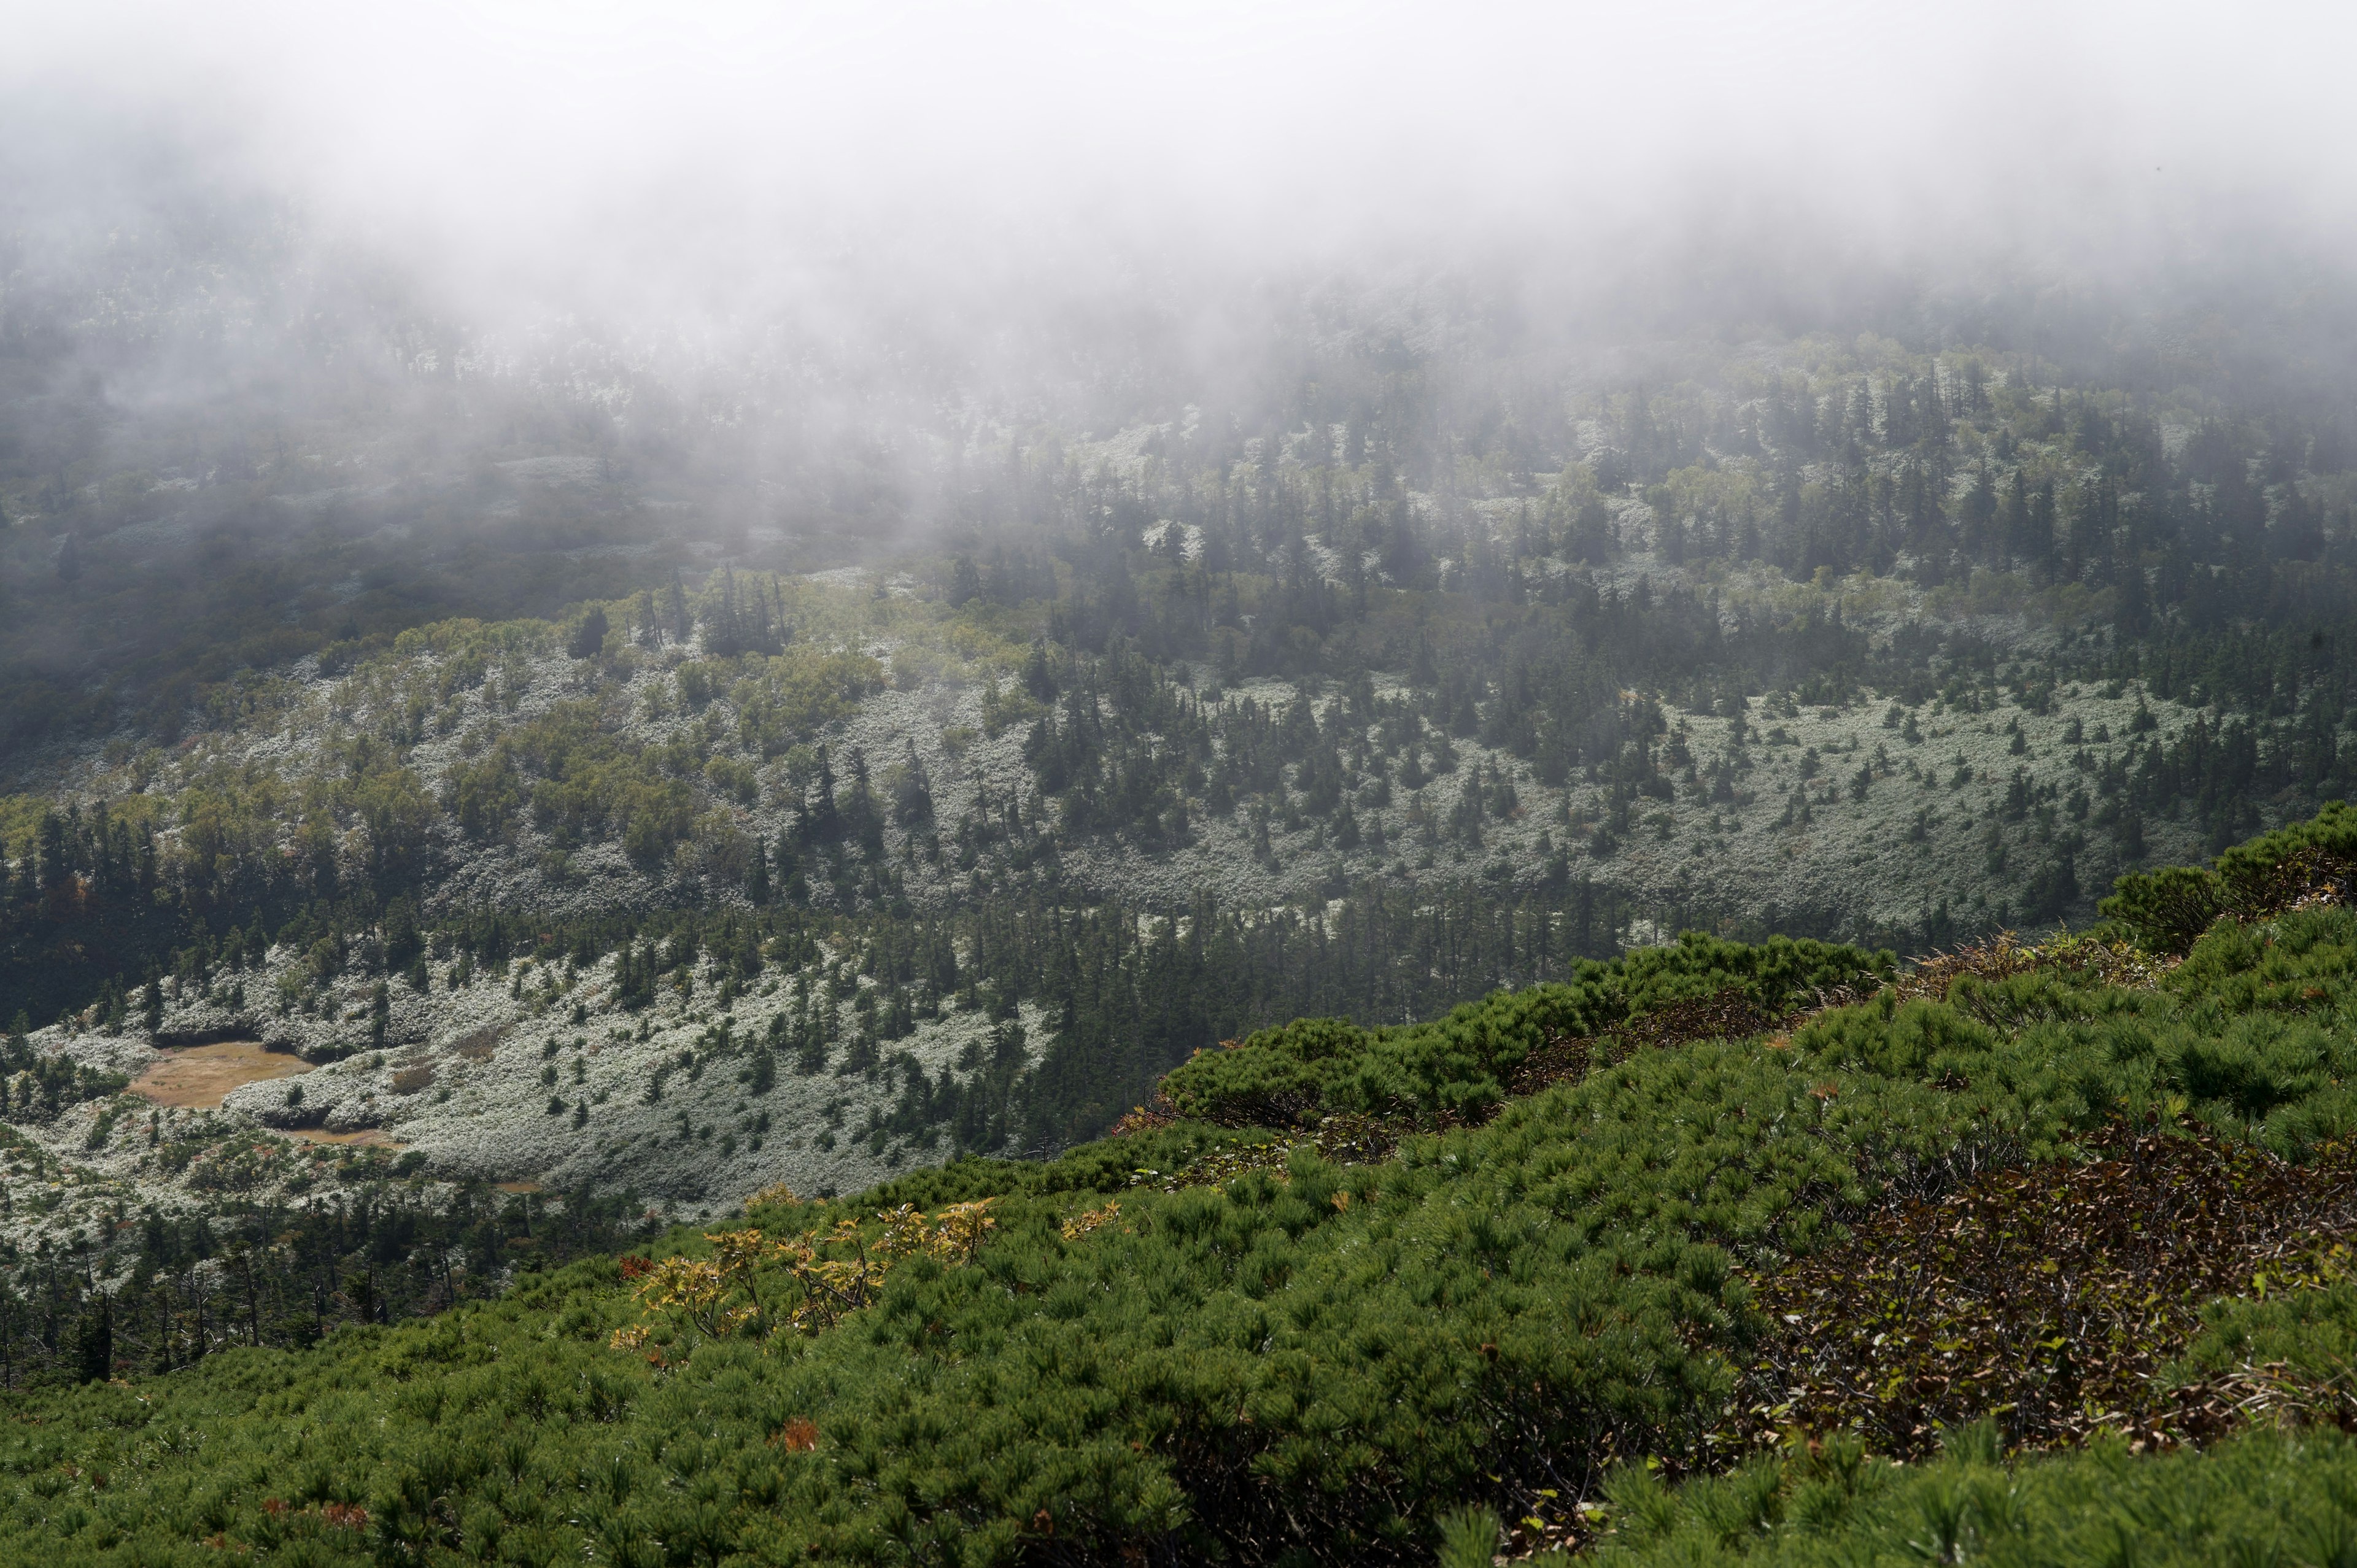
[{"x": 1543, "y": 1307}]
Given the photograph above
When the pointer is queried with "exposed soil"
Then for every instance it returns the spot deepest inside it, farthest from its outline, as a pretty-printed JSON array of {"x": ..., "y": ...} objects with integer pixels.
[
  {"x": 372, "y": 1137},
  {"x": 196, "y": 1077}
]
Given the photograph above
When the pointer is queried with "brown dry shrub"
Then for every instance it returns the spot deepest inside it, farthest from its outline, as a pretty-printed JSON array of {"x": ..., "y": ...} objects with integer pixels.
[
  {"x": 479, "y": 1045},
  {"x": 2047, "y": 1298},
  {"x": 1728, "y": 1014},
  {"x": 1157, "y": 1113},
  {"x": 2082, "y": 961}
]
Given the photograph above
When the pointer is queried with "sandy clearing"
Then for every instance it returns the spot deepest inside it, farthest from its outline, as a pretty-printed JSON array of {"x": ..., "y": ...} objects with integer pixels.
[
  {"x": 369, "y": 1137},
  {"x": 197, "y": 1077}
]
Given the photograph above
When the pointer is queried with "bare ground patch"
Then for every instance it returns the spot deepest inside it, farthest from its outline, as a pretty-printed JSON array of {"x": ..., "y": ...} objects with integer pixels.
[{"x": 199, "y": 1077}]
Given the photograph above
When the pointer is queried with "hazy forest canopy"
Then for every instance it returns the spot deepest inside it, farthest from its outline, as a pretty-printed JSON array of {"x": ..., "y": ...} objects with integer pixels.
[{"x": 1002, "y": 784}]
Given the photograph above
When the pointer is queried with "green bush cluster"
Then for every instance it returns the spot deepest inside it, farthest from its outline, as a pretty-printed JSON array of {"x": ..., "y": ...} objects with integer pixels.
[
  {"x": 581, "y": 781},
  {"x": 1460, "y": 1063},
  {"x": 2165, "y": 910}
]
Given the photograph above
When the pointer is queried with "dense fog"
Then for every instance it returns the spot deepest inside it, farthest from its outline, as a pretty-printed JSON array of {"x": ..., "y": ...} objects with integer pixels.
[{"x": 839, "y": 219}]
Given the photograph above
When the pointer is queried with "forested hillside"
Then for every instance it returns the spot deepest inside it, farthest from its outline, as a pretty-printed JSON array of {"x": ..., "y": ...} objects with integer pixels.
[
  {"x": 1362, "y": 701},
  {"x": 1569, "y": 1267}
]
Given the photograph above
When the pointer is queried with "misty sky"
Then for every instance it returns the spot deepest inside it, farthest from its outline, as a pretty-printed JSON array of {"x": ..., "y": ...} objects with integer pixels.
[{"x": 622, "y": 149}]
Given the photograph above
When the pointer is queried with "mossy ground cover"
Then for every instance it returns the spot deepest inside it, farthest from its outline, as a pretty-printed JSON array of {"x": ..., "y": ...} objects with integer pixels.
[{"x": 1317, "y": 1362}]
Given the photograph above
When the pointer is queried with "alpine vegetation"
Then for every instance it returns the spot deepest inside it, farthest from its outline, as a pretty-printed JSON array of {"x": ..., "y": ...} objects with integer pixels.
[{"x": 1013, "y": 787}]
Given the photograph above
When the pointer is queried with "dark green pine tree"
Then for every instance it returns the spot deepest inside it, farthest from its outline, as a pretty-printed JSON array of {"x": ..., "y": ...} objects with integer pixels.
[
  {"x": 94, "y": 1341},
  {"x": 589, "y": 637}
]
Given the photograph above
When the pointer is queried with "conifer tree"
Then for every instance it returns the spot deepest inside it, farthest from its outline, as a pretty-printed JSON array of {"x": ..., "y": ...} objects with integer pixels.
[{"x": 589, "y": 638}]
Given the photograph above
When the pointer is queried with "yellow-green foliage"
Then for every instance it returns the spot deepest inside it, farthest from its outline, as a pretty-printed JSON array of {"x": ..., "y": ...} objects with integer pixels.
[
  {"x": 582, "y": 781},
  {"x": 20, "y": 814},
  {"x": 786, "y": 697},
  {"x": 227, "y": 824}
]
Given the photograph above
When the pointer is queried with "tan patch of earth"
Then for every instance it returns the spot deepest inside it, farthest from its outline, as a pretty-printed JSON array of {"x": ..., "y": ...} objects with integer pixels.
[
  {"x": 369, "y": 1137},
  {"x": 196, "y": 1077}
]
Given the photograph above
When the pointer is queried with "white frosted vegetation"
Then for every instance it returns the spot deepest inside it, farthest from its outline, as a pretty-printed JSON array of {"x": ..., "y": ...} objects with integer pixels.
[{"x": 536, "y": 1075}]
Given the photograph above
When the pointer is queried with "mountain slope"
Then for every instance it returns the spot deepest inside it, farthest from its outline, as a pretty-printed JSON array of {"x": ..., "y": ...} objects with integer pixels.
[{"x": 1195, "y": 1341}]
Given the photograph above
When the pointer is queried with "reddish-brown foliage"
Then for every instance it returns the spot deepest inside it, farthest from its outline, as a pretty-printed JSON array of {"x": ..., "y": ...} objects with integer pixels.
[
  {"x": 1728, "y": 1014},
  {"x": 2080, "y": 959},
  {"x": 2047, "y": 1298},
  {"x": 1154, "y": 1114}
]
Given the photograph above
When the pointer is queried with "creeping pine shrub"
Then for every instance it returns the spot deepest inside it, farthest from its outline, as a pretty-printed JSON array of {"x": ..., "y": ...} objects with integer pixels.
[
  {"x": 2167, "y": 910},
  {"x": 1310, "y": 1362},
  {"x": 2268, "y": 1496},
  {"x": 2283, "y": 1353},
  {"x": 1461, "y": 1064}
]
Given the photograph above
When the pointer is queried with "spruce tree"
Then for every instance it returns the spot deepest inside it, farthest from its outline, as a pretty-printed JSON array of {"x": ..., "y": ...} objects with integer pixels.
[
  {"x": 589, "y": 637},
  {"x": 94, "y": 1341}
]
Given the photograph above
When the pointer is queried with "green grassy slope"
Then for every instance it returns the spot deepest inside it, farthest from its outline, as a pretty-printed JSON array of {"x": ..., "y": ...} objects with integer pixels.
[{"x": 1199, "y": 1343}]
